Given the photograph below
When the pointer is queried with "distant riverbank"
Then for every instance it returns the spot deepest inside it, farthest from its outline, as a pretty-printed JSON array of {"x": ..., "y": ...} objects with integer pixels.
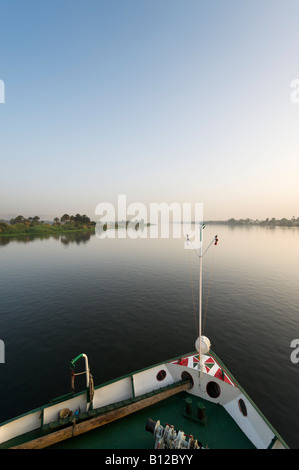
[
  {"x": 33, "y": 225},
  {"x": 45, "y": 231},
  {"x": 76, "y": 223},
  {"x": 293, "y": 222}
]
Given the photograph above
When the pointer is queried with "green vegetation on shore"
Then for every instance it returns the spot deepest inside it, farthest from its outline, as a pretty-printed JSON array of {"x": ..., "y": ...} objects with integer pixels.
[
  {"x": 293, "y": 222},
  {"x": 136, "y": 224},
  {"x": 66, "y": 223},
  {"x": 70, "y": 223}
]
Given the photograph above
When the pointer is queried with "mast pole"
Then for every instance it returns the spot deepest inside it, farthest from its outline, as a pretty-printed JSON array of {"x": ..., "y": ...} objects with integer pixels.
[
  {"x": 200, "y": 254},
  {"x": 200, "y": 298}
]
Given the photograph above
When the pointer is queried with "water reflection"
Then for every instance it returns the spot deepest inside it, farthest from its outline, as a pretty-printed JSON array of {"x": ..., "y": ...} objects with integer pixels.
[
  {"x": 76, "y": 237},
  {"x": 65, "y": 238}
]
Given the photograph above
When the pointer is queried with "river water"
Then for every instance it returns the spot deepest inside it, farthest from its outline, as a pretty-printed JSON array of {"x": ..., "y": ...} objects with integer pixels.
[{"x": 128, "y": 303}]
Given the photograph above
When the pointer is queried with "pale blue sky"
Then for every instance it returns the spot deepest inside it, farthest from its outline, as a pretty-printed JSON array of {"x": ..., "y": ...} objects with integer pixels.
[{"x": 161, "y": 100}]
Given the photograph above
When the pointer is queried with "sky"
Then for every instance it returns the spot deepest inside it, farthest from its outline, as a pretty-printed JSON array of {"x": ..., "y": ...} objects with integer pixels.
[{"x": 159, "y": 100}]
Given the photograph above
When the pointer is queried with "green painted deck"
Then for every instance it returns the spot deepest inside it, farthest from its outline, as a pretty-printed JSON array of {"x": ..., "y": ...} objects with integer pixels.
[{"x": 219, "y": 432}]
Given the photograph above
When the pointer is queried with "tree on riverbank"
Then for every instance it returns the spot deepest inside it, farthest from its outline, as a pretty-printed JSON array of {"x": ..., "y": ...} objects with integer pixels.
[{"x": 21, "y": 224}]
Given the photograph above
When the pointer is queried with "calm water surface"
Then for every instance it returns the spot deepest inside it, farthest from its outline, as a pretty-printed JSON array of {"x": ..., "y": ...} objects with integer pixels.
[{"x": 128, "y": 304}]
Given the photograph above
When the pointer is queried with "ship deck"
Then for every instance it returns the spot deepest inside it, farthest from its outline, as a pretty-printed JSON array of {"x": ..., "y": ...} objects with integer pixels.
[
  {"x": 118, "y": 416},
  {"x": 219, "y": 432}
]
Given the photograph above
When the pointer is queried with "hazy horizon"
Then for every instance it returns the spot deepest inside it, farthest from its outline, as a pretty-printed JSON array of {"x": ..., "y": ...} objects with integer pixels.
[
  {"x": 164, "y": 101},
  {"x": 50, "y": 218}
]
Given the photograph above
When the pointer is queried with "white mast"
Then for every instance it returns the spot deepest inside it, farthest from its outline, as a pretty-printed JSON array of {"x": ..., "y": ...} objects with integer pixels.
[
  {"x": 206, "y": 341},
  {"x": 200, "y": 298}
]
